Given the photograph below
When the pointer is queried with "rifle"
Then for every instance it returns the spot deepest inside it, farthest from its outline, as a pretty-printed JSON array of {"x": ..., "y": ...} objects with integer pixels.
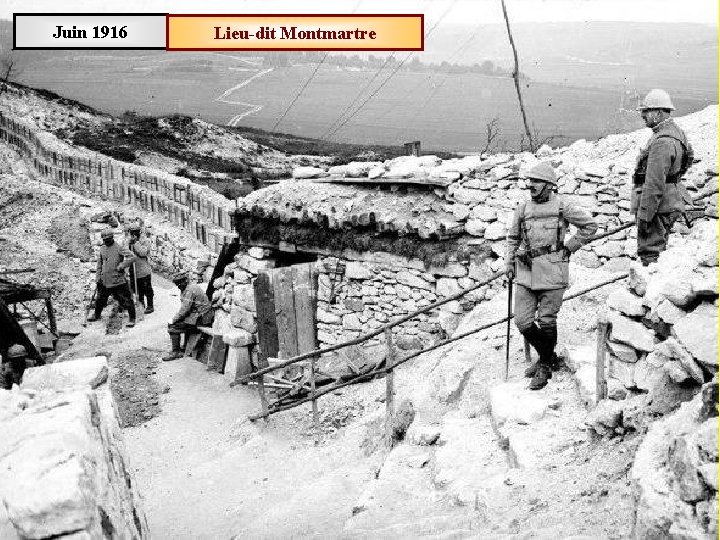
[{"x": 507, "y": 338}]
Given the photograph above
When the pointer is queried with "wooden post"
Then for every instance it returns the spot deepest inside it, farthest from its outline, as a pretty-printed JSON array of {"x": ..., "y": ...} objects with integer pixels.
[
  {"x": 316, "y": 425},
  {"x": 51, "y": 317},
  {"x": 389, "y": 386},
  {"x": 600, "y": 379}
]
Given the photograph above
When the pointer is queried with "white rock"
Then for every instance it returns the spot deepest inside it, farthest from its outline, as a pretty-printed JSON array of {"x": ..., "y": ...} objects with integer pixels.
[
  {"x": 447, "y": 287},
  {"x": 495, "y": 231},
  {"x": 308, "y": 172},
  {"x": 357, "y": 270},
  {"x": 475, "y": 227},
  {"x": 697, "y": 332},
  {"x": 631, "y": 333},
  {"x": 83, "y": 372},
  {"x": 626, "y": 302},
  {"x": 512, "y": 402}
]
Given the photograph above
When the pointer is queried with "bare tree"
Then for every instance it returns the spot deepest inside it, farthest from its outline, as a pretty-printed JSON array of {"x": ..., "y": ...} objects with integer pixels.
[
  {"x": 516, "y": 78},
  {"x": 8, "y": 70},
  {"x": 492, "y": 131}
]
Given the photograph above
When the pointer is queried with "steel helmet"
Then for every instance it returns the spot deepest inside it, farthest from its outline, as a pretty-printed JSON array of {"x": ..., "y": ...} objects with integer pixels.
[
  {"x": 106, "y": 233},
  {"x": 543, "y": 171},
  {"x": 656, "y": 99},
  {"x": 133, "y": 228}
]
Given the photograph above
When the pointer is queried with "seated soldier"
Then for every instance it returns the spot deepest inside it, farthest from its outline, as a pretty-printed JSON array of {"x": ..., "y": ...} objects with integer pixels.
[{"x": 195, "y": 310}]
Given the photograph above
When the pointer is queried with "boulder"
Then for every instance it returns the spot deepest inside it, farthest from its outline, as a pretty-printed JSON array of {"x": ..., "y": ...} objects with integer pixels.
[
  {"x": 631, "y": 333},
  {"x": 475, "y": 227},
  {"x": 484, "y": 213},
  {"x": 447, "y": 287},
  {"x": 243, "y": 319},
  {"x": 244, "y": 297},
  {"x": 638, "y": 279},
  {"x": 605, "y": 417},
  {"x": 667, "y": 312},
  {"x": 84, "y": 372},
  {"x": 495, "y": 231},
  {"x": 627, "y": 303},
  {"x": 697, "y": 332}
]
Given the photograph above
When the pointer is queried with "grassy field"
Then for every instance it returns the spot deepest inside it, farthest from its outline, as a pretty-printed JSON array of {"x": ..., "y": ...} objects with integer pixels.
[{"x": 445, "y": 113}]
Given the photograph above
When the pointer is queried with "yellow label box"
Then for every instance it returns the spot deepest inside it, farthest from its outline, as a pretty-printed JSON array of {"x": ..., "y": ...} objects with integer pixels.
[{"x": 295, "y": 32}]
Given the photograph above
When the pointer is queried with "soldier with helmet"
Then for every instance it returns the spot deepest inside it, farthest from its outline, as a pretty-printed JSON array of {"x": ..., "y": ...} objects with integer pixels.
[
  {"x": 538, "y": 259},
  {"x": 113, "y": 259},
  {"x": 658, "y": 196},
  {"x": 140, "y": 272},
  {"x": 195, "y": 310}
]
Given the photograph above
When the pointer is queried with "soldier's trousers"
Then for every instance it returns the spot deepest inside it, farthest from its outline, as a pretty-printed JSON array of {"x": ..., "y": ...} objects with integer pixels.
[
  {"x": 541, "y": 306},
  {"x": 651, "y": 244},
  {"x": 121, "y": 293}
]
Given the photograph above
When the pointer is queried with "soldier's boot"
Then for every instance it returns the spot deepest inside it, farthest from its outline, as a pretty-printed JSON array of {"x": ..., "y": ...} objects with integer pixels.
[
  {"x": 150, "y": 307},
  {"x": 540, "y": 379},
  {"x": 175, "y": 352},
  {"x": 546, "y": 351},
  {"x": 535, "y": 338}
]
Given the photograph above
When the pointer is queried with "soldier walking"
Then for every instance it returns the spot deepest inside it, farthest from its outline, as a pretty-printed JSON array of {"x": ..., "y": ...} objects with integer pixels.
[
  {"x": 538, "y": 259},
  {"x": 110, "y": 274},
  {"x": 658, "y": 196}
]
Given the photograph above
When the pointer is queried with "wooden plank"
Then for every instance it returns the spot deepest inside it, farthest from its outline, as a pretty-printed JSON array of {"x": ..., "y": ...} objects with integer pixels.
[
  {"x": 305, "y": 289},
  {"x": 266, "y": 321},
  {"x": 424, "y": 181},
  {"x": 267, "y": 329},
  {"x": 285, "y": 312},
  {"x": 600, "y": 379},
  {"x": 217, "y": 353},
  {"x": 304, "y": 299}
]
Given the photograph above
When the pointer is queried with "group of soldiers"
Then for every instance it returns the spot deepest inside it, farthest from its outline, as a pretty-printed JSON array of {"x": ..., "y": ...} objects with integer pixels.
[
  {"x": 538, "y": 249},
  {"x": 538, "y": 252},
  {"x": 111, "y": 281}
]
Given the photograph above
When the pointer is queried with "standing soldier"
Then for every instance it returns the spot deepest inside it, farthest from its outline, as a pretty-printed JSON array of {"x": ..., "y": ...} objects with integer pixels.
[
  {"x": 140, "y": 271},
  {"x": 658, "y": 197},
  {"x": 195, "y": 310},
  {"x": 538, "y": 259},
  {"x": 112, "y": 261}
]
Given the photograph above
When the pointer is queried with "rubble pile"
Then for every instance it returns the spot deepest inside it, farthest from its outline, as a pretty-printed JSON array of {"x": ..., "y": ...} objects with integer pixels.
[
  {"x": 663, "y": 338},
  {"x": 63, "y": 469},
  {"x": 676, "y": 472}
]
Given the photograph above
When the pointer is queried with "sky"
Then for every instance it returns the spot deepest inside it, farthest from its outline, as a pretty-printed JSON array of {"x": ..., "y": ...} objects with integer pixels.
[{"x": 454, "y": 11}]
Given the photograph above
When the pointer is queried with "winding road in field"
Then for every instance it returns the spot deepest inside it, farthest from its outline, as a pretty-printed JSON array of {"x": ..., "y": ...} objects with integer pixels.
[{"x": 252, "y": 108}]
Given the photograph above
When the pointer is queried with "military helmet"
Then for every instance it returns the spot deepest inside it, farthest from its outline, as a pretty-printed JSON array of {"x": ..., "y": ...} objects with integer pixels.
[
  {"x": 16, "y": 351},
  {"x": 544, "y": 172},
  {"x": 180, "y": 277},
  {"x": 107, "y": 233},
  {"x": 656, "y": 99},
  {"x": 133, "y": 228}
]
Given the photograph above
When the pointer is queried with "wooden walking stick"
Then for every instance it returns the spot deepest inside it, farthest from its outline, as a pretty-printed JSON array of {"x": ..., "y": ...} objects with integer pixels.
[{"x": 507, "y": 338}]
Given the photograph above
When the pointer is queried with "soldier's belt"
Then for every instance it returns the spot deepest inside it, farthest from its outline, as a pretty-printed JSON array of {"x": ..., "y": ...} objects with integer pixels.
[{"x": 543, "y": 250}]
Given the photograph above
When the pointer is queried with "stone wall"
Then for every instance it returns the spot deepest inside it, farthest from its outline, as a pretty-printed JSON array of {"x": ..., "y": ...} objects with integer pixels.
[
  {"x": 359, "y": 293},
  {"x": 63, "y": 471}
]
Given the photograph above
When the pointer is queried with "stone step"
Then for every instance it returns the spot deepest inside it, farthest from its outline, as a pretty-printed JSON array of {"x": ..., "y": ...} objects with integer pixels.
[
  {"x": 469, "y": 463},
  {"x": 536, "y": 425},
  {"x": 403, "y": 501}
]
